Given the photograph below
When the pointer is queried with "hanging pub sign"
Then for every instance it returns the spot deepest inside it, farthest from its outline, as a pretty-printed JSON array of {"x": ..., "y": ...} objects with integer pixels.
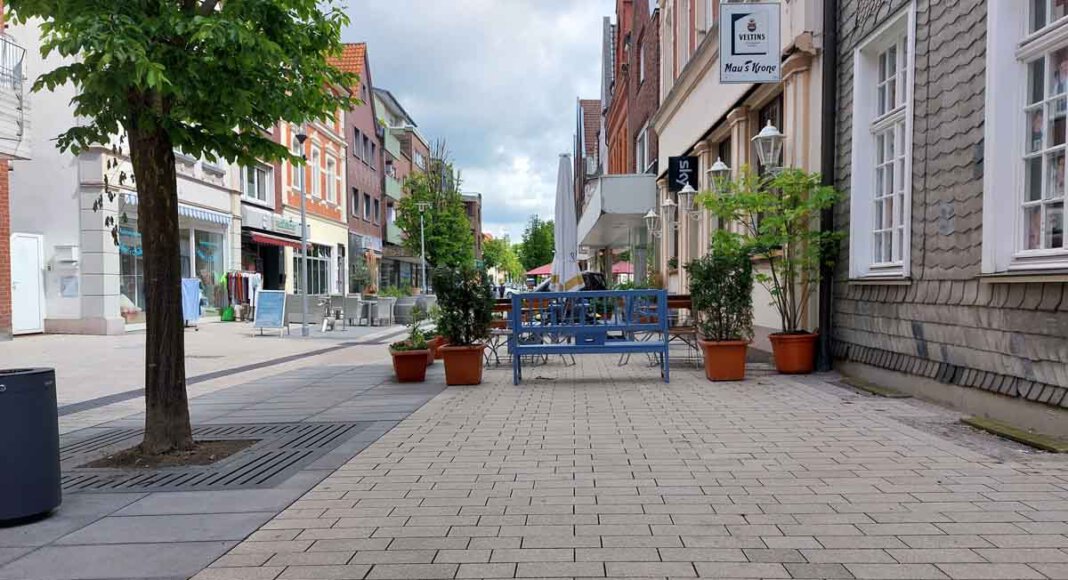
[
  {"x": 682, "y": 170},
  {"x": 749, "y": 43}
]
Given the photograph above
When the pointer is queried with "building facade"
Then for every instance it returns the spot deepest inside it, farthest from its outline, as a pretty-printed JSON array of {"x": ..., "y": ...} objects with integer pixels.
[
  {"x": 700, "y": 116},
  {"x": 266, "y": 232},
  {"x": 585, "y": 150},
  {"x": 473, "y": 208},
  {"x": 407, "y": 152},
  {"x": 951, "y": 147},
  {"x": 21, "y": 272},
  {"x": 364, "y": 169},
  {"x": 87, "y": 236}
]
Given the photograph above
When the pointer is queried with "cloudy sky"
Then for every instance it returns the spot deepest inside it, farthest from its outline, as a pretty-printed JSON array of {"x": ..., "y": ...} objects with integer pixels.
[{"x": 497, "y": 80}]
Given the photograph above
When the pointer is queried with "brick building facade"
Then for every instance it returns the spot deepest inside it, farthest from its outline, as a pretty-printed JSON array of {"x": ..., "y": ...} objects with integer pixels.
[
  {"x": 951, "y": 290},
  {"x": 643, "y": 84}
]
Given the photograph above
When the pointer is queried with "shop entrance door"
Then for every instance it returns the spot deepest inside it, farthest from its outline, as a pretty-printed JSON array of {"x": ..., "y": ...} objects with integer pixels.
[
  {"x": 27, "y": 300},
  {"x": 271, "y": 258}
]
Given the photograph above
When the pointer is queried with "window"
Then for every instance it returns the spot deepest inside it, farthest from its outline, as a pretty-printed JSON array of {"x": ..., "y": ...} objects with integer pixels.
[
  {"x": 420, "y": 161},
  {"x": 355, "y": 203},
  {"x": 880, "y": 187},
  {"x": 1045, "y": 108},
  {"x": 366, "y": 155},
  {"x": 1046, "y": 13},
  {"x": 374, "y": 158},
  {"x": 259, "y": 184},
  {"x": 641, "y": 62},
  {"x": 317, "y": 173},
  {"x": 297, "y": 179},
  {"x": 331, "y": 179},
  {"x": 378, "y": 211},
  {"x": 642, "y": 156},
  {"x": 319, "y": 269},
  {"x": 391, "y": 213},
  {"x": 367, "y": 207},
  {"x": 357, "y": 144}
]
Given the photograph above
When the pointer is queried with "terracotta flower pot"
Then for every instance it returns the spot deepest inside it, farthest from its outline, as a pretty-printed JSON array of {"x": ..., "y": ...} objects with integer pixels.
[
  {"x": 795, "y": 354},
  {"x": 410, "y": 365},
  {"x": 442, "y": 341},
  {"x": 724, "y": 360},
  {"x": 432, "y": 346},
  {"x": 463, "y": 364}
]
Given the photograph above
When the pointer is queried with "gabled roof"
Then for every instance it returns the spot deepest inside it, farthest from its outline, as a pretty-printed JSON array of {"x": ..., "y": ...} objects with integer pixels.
[
  {"x": 390, "y": 101},
  {"x": 352, "y": 59}
]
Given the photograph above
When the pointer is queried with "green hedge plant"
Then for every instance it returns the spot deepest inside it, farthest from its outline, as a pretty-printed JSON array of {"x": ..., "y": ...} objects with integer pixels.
[
  {"x": 465, "y": 297},
  {"x": 721, "y": 287}
]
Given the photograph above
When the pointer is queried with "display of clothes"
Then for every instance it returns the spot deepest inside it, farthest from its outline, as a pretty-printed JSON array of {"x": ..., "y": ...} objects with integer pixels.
[
  {"x": 191, "y": 300},
  {"x": 242, "y": 287}
]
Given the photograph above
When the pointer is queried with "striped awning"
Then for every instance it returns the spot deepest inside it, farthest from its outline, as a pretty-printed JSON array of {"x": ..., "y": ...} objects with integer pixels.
[{"x": 191, "y": 212}]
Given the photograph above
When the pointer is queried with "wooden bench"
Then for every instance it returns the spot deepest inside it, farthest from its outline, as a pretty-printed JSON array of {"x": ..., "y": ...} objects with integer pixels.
[{"x": 598, "y": 322}]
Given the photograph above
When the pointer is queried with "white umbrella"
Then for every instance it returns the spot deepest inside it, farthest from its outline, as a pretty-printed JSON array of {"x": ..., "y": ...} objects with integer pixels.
[{"x": 566, "y": 275}]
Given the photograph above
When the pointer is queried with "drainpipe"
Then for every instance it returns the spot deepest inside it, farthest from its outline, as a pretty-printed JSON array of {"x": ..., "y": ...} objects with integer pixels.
[{"x": 827, "y": 164}]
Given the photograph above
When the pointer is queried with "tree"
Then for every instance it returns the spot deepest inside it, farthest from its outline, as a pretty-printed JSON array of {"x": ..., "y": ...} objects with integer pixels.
[
  {"x": 538, "y": 245},
  {"x": 204, "y": 76},
  {"x": 498, "y": 253},
  {"x": 449, "y": 239}
]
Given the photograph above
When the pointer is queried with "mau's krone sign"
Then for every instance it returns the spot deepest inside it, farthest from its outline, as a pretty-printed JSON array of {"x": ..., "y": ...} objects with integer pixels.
[{"x": 749, "y": 43}]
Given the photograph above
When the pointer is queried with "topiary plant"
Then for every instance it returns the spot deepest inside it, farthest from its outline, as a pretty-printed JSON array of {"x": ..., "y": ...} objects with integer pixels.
[
  {"x": 721, "y": 287},
  {"x": 465, "y": 297}
]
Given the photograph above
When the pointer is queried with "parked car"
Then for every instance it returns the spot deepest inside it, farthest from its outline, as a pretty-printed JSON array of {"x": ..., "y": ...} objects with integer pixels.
[{"x": 591, "y": 281}]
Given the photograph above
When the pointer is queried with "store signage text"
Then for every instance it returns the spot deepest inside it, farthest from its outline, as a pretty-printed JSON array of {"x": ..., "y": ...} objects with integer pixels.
[{"x": 750, "y": 43}]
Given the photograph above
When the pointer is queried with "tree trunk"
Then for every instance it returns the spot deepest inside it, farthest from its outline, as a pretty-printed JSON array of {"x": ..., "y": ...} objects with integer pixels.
[{"x": 167, "y": 426}]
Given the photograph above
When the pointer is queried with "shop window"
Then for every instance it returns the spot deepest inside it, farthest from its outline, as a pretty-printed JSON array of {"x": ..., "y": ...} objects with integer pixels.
[
  {"x": 259, "y": 184},
  {"x": 208, "y": 252},
  {"x": 880, "y": 186},
  {"x": 319, "y": 267}
]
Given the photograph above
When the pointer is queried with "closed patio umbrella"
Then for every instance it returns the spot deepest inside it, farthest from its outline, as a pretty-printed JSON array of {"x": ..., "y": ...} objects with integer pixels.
[{"x": 565, "y": 271}]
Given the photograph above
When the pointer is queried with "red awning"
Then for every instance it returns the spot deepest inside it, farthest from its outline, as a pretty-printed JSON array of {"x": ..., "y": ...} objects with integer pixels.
[
  {"x": 545, "y": 270},
  {"x": 622, "y": 268},
  {"x": 275, "y": 241}
]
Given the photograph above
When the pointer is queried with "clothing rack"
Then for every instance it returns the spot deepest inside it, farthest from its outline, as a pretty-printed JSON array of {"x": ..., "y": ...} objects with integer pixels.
[{"x": 242, "y": 290}]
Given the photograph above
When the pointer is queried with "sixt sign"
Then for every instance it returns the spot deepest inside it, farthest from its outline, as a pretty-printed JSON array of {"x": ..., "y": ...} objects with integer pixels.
[{"x": 682, "y": 170}]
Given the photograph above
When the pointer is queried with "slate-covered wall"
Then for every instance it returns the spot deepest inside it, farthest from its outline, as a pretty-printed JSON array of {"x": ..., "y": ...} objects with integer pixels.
[{"x": 948, "y": 323}]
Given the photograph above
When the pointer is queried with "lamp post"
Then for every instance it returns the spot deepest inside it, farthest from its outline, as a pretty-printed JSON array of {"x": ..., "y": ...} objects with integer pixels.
[
  {"x": 686, "y": 201},
  {"x": 423, "y": 206},
  {"x": 302, "y": 136},
  {"x": 719, "y": 173}
]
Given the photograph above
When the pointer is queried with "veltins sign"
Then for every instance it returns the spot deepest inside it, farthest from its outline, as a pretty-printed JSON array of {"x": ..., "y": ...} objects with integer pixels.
[
  {"x": 682, "y": 170},
  {"x": 749, "y": 43}
]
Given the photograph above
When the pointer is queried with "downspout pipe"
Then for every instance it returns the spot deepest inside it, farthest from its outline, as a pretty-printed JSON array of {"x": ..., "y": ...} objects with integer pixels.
[{"x": 828, "y": 136}]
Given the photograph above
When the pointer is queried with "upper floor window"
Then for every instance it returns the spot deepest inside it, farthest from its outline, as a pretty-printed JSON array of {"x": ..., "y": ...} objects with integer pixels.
[
  {"x": 643, "y": 160},
  {"x": 366, "y": 155},
  {"x": 420, "y": 161},
  {"x": 641, "y": 62},
  {"x": 259, "y": 184},
  {"x": 367, "y": 207},
  {"x": 355, "y": 203},
  {"x": 1046, "y": 13},
  {"x": 378, "y": 211},
  {"x": 297, "y": 179},
  {"x": 880, "y": 186},
  {"x": 316, "y": 173},
  {"x": 331, "y": 179},
  {"x": 357, "y": 144},
  {"x": 374, "y": 156}
]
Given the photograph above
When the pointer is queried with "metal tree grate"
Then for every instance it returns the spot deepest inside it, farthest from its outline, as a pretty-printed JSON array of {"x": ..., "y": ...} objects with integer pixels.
[{"x": 281, "y": 449}]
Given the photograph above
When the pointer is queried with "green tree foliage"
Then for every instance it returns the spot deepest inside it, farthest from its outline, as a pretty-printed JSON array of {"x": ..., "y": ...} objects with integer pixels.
[
  {"x": 498, "y": 253},
  {"x": 449, "y": 239},
  {"x": 778, "y": 215},
  {"x": 721, "y": 287},
  {"x": 538, "y": 245},
  {"x": 205, "y": 76}
]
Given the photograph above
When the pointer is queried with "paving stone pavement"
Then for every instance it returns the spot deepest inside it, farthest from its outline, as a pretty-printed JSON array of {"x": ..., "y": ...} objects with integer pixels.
[{"x": 595, "y": 471}]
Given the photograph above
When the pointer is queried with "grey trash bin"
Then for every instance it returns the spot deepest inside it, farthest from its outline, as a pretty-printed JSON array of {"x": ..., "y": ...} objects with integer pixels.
[{"x": 29, "y": 434}]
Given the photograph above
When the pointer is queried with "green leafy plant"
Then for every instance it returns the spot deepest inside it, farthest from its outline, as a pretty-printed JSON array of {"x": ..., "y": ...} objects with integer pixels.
[
  {"x": 673, "y": 263},
  {"x": 778, "y": 217},
  {"x": 435, "y": 197},
  {"x": 721, "y": 287},
  {"x": 394, "y": 292},
  {"x": 465, "y": 296},
  {"x": 416, "y": 340}
]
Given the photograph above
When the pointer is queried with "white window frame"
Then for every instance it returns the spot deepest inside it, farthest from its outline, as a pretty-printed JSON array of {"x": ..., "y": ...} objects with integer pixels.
[
  {"x": 709, "y": 13},
  {"x": 267, "y": 181},
  {"x": 331, "y": 178},
  {"x": 867, "y": 124},
  {"x": 317, "y": 172},
  {"x": 642, "y": 158},
  {"x": 298, "y": 170},
  {"x": 1010, "y": 46},
  {"x": 641, "y": 61}
]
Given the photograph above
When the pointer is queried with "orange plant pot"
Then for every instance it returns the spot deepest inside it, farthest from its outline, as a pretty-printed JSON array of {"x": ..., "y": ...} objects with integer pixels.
[
  {"x": 442, "y": 341},
  {"x": 724, "y": 360},
  {"x": 432, "y": 345},
  {"x": 410, "y": 365},
  {"x": 463, "y": 364},
  {"x": 795, "y": 354}
]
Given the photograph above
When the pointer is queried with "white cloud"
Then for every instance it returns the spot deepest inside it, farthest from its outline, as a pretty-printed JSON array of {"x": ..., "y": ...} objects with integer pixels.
[{"x": 496, "y": 79}]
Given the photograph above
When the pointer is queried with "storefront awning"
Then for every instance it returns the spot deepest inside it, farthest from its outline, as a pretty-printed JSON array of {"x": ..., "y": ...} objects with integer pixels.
[
  {"x": 185, "y": 210},
  {"x": 269, "y": 240},
  {"x": 615, "y": 210}
]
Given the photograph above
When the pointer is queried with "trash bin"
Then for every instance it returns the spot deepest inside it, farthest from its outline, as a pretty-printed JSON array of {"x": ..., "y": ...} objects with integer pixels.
[{"x": 29, "y": 444}]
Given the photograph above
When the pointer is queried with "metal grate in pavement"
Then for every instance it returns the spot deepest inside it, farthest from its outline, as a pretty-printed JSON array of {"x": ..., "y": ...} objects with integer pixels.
[{"x": 281, "y": 450}]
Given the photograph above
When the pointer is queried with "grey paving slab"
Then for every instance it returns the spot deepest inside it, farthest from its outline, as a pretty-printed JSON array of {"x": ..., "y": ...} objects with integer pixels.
[
  {"x": 9, "y": 554},
  {"x": 201, "y": 502},
  {"x": 76, "y": 511},
  {"x": 115, "y": 561},
  {"x": 168, "y": 528}
]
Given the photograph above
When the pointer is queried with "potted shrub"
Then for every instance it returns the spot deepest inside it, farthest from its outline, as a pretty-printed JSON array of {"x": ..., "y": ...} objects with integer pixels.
[
  {"x": 466, "y": 301},
  {"x": 721, "y": 288},
  {"x": 779, "y": 215},
  {"x": 410, "y": 356}
]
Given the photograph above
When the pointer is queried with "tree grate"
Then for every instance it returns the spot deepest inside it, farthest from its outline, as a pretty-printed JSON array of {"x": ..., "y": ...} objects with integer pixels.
[{"x": 281, "y": 449}]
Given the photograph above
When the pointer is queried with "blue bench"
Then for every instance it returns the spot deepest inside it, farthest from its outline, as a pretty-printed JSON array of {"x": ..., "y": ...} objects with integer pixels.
[{"x": 598, "y": 322}]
